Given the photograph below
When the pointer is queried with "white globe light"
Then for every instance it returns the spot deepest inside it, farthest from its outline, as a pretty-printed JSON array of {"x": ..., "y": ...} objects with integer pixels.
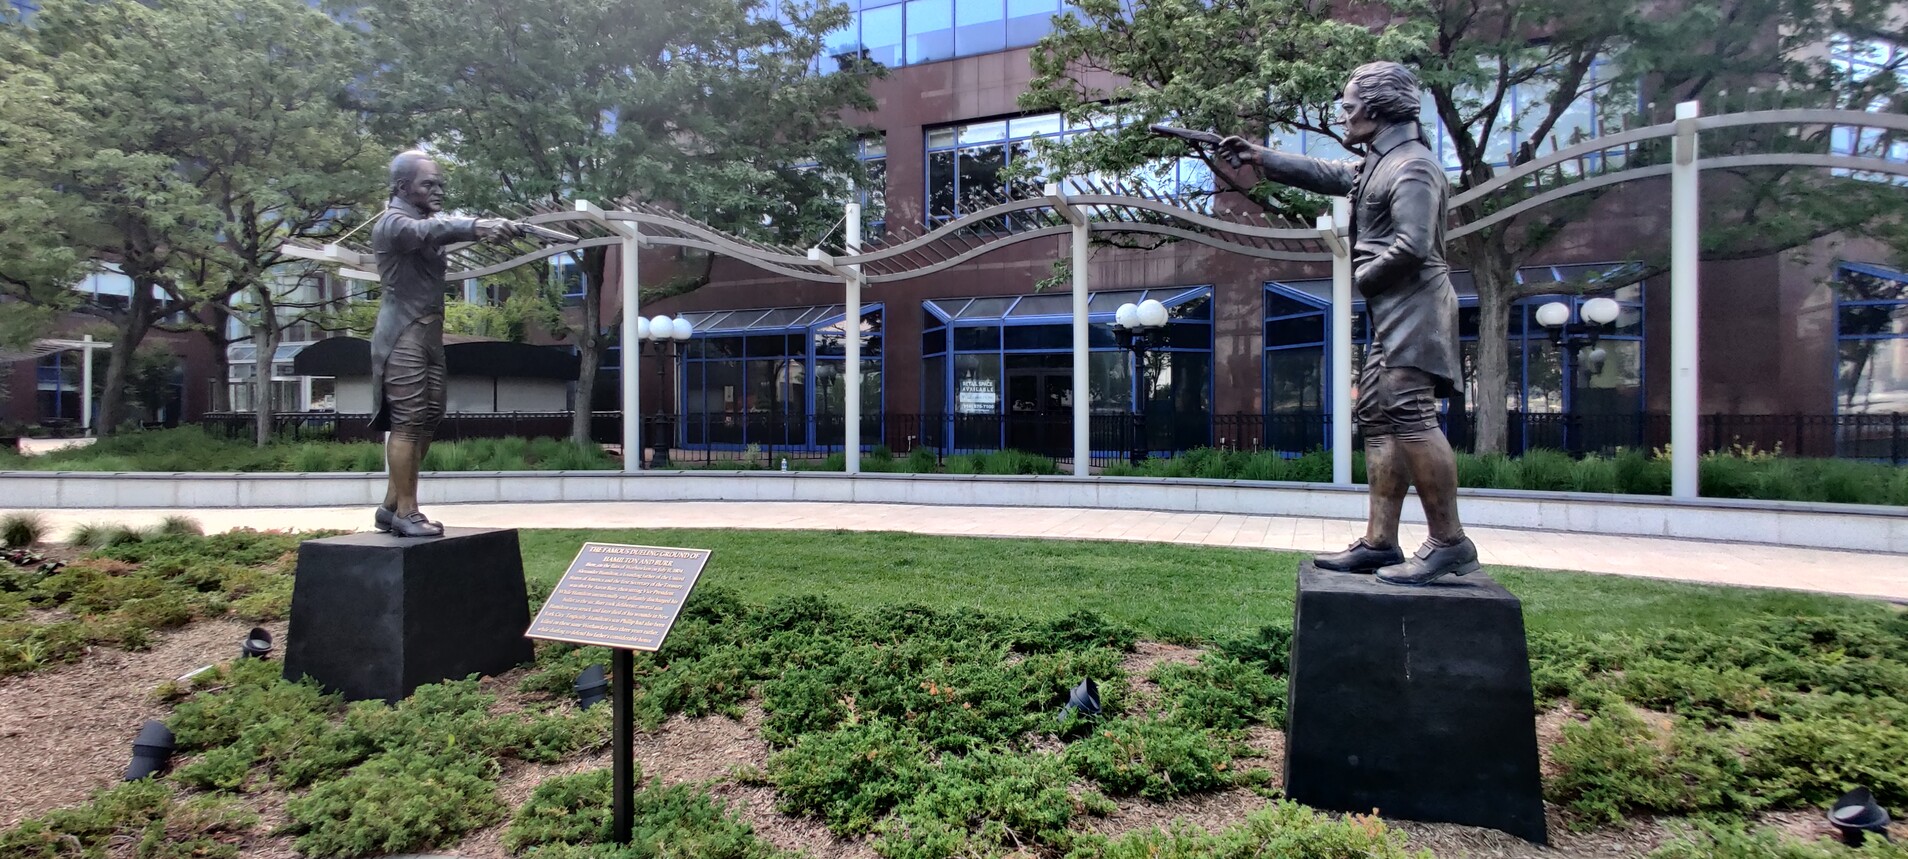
[
  {"x": 642, "y": 328},
  {"x": 1600, "y": 310},
  {"x": 1152, "y": 314},
  {"x": 682, "y": 329},
  {"x": 661, "y": 326},
  {"x": 1127, "y": 316},
  {"x": 1553, "y": 315}
]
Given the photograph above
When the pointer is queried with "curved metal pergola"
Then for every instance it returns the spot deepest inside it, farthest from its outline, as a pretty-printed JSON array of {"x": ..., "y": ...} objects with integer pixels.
[{"x": 999, "y": 222}]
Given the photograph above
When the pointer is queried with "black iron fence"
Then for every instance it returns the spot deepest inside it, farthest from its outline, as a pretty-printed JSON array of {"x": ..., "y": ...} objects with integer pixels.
[{"x": 765, "y": 439}]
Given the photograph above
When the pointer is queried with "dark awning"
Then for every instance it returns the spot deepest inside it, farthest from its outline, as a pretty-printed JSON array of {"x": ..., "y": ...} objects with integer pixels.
[{"x": 351, "y": 356}]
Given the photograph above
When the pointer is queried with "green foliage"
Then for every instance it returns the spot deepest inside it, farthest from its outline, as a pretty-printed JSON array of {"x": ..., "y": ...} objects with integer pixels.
[
  {"x": 400, "y": 801},
  {"x": 22, "y": 528},
  {"x": 1221, "y": 692},
  {"x": 1617, "y": 764},
  {"x": 143, "y": 815},
  {"x": 1283, "y": 829},
  {"x": 1154, "y": 759},
  {"x": 982, "y": 803},
  {"x": 852, "y": 776},
  {"x": 1726, "y": 841},
  {"x": 567, "y": 814},
  {"x": 179, "y": 526},
  {"x": 190, "y": 448}
]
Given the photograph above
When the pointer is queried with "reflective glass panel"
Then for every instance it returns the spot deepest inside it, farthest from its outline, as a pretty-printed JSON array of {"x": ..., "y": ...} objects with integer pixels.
[
  {"x": 980, "y": 26},
  {"x": 1029, "y": 20},
  {"x": 930, "y": 27},
  {"x": 881, "y": 34}
]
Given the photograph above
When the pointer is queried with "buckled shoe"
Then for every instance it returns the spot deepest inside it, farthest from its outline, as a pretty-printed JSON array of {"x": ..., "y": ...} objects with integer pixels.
[
  {"x": 1360, "y": 557},
  {"x": 1433, "y": 561}
]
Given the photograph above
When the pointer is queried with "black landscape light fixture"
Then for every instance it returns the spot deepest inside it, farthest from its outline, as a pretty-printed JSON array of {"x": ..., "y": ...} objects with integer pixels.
[
  {"x": 257, "y": 644},
  {"x": 152, "y": 749},
  {"x": 592, "y": 686},
  {"x": 1139, "y": 329},
  {"x": 1856, "y": 814},
  {"x": 1084, "y": 700}
]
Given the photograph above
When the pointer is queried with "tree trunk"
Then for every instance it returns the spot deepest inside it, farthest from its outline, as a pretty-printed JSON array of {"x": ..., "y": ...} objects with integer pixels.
[
  {"x": 265, "y": 335},
  {"x": 221, "y": 393},
  {"x": 132, "y": 332},
  {"x": 590, "y": 350},
  {"x": 1495, "y": 278}
]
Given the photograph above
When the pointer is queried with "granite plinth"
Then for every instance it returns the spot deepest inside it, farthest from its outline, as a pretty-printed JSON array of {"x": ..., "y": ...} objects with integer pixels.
[
  {"x": 376, "y": 616},
  {"x": 1413, "y": 701}
]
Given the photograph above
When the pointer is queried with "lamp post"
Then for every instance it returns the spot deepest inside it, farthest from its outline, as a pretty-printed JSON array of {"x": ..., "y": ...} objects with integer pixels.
[
  {"x": 663, "y": 338},
  {"x": 1139, "y": 328},
  {"x": 1571, "y": 337}
]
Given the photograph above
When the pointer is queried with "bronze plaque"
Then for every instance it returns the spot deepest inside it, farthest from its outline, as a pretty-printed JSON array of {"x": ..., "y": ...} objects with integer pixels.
[{"x": 619, "y": 596}]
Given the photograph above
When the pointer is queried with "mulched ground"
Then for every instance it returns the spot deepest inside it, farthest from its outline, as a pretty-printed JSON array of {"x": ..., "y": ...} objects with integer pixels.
[{"x": 67, "y": 731}]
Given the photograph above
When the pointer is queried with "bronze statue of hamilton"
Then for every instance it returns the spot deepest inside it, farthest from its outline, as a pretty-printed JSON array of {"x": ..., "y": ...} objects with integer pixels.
[
  {"x": 1399, "y": 198},
  {"x": 407, "y": 346}
]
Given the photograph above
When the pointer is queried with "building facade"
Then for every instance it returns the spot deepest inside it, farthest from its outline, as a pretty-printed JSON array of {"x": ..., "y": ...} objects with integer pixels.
[{"x": 977, "y": 358}]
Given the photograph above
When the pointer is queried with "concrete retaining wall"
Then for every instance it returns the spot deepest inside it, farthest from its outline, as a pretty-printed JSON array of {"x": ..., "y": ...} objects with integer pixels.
[{"x": 1826, "y": 526}]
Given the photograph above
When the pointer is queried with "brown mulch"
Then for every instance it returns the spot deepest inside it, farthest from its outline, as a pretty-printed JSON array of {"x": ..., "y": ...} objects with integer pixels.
[
  {"x": 1139, "y": 665},
  {"x": 67, "y": 731}
]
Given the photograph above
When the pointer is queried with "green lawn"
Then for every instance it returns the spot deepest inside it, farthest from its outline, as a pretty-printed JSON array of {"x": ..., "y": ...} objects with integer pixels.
[{"x": 1174, "y": 593}]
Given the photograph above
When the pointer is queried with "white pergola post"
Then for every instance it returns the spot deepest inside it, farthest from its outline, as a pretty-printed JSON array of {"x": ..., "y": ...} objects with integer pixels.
[
  {"x": 1341, "y": 338},
  {"x": 630, "y": 353},
  {"x": 1685, "y": 377},
  {"x": 631, "y": 348},
  {"x": 851, "y": 326},
  {"x": 1082, "y": 395},
  {"x": 86, "y": 385}
]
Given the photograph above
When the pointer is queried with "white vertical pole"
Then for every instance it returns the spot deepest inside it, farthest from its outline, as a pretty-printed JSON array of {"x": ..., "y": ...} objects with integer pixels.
[
  {"x": 1685, "y": 378},
  {"x": 1341, "y": 349},
  {"x": 1082, "y": 395},
  {"x": 851, "y": 325},
  {"x": 86, "y": 385},
  {"x": 631, "y": 353}
]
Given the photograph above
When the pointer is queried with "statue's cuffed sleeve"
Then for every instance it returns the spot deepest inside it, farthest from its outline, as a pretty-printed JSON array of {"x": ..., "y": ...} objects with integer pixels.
[
  {"x": 1415, "y": 211},
  {"x": 409, "y": 234},
  {"x": 1331, "y": 178}
]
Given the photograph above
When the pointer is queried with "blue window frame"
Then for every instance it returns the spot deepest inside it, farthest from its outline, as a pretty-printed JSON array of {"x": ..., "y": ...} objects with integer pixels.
[
  {"x": 998, "y": 372},
  {"x": 1871, "y": 338},
  {"x": 1297, "y": 369},
  {"x": 772, "y": 377}
]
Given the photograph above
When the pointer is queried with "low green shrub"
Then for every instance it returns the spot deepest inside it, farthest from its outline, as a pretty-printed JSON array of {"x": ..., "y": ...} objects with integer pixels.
[
  {"x": 921, "y": 460},
  {"x": 398, "y": 802},
  {"x": 1154, "y": 759},
  {"x": 1284, "y": 829},
  {"x": 1617, "y": 764},
  {"x": 851, "y": 777},
  {"x": 570, "y": 816},
  {"x": 1734, "y": 841},
  {"x": 1221, "y": 692},
  {"x": 142, "y": 818},
  {"x": 983, "y": 803}
]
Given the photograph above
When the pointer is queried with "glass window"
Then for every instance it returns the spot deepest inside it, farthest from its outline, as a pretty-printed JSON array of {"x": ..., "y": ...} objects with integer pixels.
[
  {"x": 1045, "y": 305},
  {"x": 930, "y": 26},
  {"x": 1295, "y": 330},
  {"x": 1043, "y": 125},
  {"x": 986, "y": 308},
  {"x": 881, "y": 34},
  {"x": 1277, "y": 304},
  {"x": 977, "y": 384},
  {"x": 940, "y": 184},
  {"x": 1872, "y": 376},
  {"x": 1297, "y": 380},
  {"x": 982, "y": 132},
  {"x": 934, "y": 385},
  {"x": 985, "y": 337},
  {"x": 934, "y": 341},
  {"x": 1029, "y": 20},
  {"x": 980, "y": 26},
  {"x": 979, "y": 179},
  {"x": 1043, "y": 337},
  {"x": 845, "y": 42},
  {"x": 1110, "y": 381},
  {"x": 1178, "y": 397}
]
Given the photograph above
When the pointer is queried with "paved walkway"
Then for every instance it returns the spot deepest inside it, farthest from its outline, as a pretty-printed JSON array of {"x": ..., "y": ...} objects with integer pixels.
[{"x": 1852, "y": 573}]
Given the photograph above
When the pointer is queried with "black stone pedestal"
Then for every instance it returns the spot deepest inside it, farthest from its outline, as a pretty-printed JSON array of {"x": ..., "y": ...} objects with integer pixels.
[
  {"x": 376, "y": 616},
  {"x": 1413, "y": 701}
]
